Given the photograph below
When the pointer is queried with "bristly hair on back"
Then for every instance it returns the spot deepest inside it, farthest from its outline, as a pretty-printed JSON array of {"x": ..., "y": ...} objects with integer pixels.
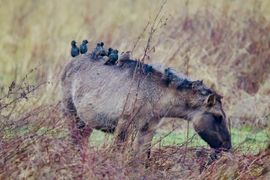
[{"x": 169, "y": 77}]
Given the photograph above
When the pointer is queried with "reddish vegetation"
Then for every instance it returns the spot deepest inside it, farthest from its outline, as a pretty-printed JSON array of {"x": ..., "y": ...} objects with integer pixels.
[{"x": 49, "y": 153}]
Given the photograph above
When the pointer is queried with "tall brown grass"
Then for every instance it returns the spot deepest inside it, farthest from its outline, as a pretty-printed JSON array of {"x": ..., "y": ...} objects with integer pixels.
[{"x": 226, "y": 43}]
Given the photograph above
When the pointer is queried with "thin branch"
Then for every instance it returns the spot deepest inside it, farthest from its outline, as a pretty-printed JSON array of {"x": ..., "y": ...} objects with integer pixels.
[{"x": 140, "y": 36}]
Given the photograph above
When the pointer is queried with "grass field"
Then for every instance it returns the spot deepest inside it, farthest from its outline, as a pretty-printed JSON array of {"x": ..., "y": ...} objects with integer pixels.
[
  {"x": 245, "y": 139},
  {"x": 225, "y": 43}
]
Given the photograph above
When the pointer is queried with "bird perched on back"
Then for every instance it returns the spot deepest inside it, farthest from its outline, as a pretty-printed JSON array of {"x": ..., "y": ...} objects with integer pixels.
[
  {"x": 83, "y": 47},
  {"x": 184, "y": 84},
  {"x": 99, "y": 51},
  {"x": 148, "y": 68},
  {"x": 74, "y": 49},
  {"x": 123, "y": 57},
  {"x": 113, "y": 57},
  {"x": 102, "y": 51},
  {"x": 109, "y": 52},
  {"x": 168, "y": 75}
]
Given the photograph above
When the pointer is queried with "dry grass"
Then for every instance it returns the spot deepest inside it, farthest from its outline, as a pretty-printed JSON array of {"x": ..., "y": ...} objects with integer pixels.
[
  {"x": 225, "y": 43},
  {"x": 48, "y": 153}
]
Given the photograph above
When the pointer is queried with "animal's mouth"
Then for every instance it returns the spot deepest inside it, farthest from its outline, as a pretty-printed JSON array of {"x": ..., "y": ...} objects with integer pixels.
[{"x": 226, "y": 146}]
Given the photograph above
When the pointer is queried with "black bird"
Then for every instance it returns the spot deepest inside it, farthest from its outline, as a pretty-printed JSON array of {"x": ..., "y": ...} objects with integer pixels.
[
  {"x": 83, "y": 47},
  {"x": 168, "y": 73},
  {"x": 148, "y": 68},
  {"x": 102, "y": 51},
  {"x": 95, "y": 51},
  {"x": 109, "y": 51},
  {"x": 113, "y": 57},
  {"x": 184, "y": 84},
  {"x": 168, "y": 76},
  {"x": 99, "y": 46},
  {"x": 74, "y": 49},
  {"x": 98, "y": 51}
]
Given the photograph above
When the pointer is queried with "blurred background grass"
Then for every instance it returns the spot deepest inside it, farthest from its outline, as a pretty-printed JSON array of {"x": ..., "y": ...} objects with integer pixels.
[{"x": 225, "y": 43}]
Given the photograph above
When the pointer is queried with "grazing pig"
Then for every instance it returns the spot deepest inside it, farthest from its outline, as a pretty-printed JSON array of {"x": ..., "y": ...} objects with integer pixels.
[{"x": 109, "y": 98}]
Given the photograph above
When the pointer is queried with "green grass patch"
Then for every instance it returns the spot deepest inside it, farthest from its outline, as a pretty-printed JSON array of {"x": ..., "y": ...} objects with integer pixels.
[
  {"x": 10, "y": 133},
  {"x": 244, "y": 139},
  {"x": 99, "y": 138}
]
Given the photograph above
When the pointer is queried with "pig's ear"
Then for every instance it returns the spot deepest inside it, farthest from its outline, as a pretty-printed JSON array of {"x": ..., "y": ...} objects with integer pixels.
[{"x": 210, "y": 100}]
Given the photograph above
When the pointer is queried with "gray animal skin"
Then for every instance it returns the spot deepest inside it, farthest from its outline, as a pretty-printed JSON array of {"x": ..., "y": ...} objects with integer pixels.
[{"x": 97, "y": 94}]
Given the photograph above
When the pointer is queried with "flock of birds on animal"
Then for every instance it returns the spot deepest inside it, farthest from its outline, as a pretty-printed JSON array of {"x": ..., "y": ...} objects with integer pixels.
[{"x": 110, "y": 55}]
